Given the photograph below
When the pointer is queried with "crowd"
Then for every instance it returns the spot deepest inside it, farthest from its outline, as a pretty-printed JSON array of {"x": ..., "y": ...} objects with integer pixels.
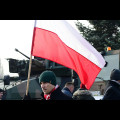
[{"x": 52, "y": 91}]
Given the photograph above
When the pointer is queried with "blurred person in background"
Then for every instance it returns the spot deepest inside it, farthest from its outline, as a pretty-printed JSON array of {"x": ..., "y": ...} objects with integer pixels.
[
  {"x": 68, "y": 89},
  {"x": 82, "y": 94},
  {"x": 112, "y": 91}
]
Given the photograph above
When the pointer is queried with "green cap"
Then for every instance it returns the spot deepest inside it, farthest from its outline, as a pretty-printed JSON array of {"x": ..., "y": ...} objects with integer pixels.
[{"x": 48, "y": 76}]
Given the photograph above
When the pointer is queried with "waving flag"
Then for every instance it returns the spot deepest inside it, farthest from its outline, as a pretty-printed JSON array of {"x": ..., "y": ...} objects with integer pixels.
[{"x": 58, "y": 41}]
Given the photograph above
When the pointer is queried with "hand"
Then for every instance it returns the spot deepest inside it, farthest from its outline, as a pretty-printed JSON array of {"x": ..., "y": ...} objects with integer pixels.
[{"x": 27, "y": 97}]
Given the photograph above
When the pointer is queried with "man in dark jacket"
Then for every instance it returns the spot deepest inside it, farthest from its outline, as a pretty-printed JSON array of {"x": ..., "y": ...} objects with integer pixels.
[
  {"x": 113, "y": 89},
  {"x": 51, "y": 91},
  {"x": 68, "y": 89}
]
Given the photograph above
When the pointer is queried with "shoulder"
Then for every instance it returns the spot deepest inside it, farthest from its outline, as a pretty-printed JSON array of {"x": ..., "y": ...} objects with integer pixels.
[
  {"x": 66, "y": 91},
  {"x": 108, "y": 90},
  {"x": 111, "y": 93},
  {"x": 59, "y": 95}
]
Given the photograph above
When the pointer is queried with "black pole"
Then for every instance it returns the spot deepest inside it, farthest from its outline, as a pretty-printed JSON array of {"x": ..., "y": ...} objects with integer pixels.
[{"x": 22, "y": 53}]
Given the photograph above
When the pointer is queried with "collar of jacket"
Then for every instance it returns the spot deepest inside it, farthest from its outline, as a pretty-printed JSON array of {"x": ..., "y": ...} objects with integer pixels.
[
  {"x": 115, "y": 83},
  {"x": 54, "y": 94},
  {"x": 65, "y": 88}
]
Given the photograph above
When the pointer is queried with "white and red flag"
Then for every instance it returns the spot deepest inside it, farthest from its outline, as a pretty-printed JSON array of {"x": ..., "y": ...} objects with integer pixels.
[{"x": 58, "y": 41}]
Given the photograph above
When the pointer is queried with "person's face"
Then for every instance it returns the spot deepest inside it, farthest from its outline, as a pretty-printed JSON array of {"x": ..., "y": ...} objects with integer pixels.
[
  {"x": 46, "y": 87},
  {"x": 1, "y": 94},
  {"x": 72, "y": 88}
]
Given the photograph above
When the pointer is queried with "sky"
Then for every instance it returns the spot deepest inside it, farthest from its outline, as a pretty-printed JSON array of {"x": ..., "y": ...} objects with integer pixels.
[
  {"x": 18, "y": 34},
  {"x": 15, "y": 34}
]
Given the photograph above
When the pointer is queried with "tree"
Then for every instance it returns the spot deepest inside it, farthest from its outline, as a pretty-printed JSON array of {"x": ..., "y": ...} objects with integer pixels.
[{"x": 104, "y": 33}]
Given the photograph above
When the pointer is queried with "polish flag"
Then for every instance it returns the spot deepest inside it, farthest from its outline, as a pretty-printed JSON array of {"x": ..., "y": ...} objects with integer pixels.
[{"x": 58, "y": 41}]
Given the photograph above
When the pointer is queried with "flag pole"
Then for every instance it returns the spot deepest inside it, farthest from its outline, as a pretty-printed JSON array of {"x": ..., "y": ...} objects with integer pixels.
[
  {"x": 29, "y": 71},
  {"x": 30, "y": 63}
]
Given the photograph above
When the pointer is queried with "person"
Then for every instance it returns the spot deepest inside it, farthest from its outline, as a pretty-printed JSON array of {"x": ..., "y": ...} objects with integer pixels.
[
  {"x": 82, "y": 87},
  {"x": 82, "y": 94},
  {"x": 112, "y": 91},
  {"x": 1, "y": 94},
  {"x": 50, "y": 90},
  {"x": 68, "y": 89}
]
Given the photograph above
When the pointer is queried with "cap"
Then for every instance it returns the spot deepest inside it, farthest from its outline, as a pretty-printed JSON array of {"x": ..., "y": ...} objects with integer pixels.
[{"x": 48, "y": 76}]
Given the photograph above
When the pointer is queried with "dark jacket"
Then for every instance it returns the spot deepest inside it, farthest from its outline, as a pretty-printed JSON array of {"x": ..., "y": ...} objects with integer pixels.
[
  {"x": 113, "y": 91},
  {"x": 67, "y": 92},
  {"x": 57, "y": 95}
]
